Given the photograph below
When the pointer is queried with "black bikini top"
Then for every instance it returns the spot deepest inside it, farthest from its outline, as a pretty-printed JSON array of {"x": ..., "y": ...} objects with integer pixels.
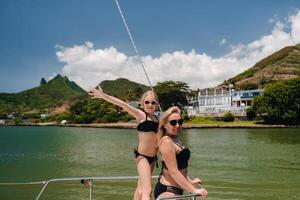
[
  {"x": 148, "y": 125},
  {"x": 182, "y": 157}
]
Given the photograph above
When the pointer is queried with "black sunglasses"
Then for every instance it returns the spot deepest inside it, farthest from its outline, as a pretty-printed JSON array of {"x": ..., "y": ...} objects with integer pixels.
[
  {"x": 174, "y": 122},
  {"x": 152, "y": 102}
]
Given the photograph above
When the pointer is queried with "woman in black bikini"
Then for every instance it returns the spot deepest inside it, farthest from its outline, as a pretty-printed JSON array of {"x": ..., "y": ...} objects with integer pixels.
[
  {"x": 174, "y": 175},
  {"x": 147, "y": 128}
]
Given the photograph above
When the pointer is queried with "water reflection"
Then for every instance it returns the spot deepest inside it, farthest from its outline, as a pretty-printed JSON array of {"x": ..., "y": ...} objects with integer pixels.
[{"x": 279, "y": 136}]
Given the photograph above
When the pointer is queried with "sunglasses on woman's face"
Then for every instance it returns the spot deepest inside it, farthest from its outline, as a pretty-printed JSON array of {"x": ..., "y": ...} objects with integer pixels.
[
  {"x": 152, "y": 102},
  {"x": 174, "y": 122}
]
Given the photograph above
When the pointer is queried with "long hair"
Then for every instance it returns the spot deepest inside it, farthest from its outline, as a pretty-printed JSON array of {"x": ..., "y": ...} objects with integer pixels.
[{"x": 164, "y": 119}]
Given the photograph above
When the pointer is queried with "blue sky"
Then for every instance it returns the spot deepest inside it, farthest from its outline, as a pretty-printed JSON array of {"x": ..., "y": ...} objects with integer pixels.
[{"x": 199, "y": 42}]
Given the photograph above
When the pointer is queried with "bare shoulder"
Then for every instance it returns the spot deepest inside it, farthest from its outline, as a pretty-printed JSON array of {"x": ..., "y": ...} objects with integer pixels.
[
  {"x": 167, "y": 147},
  {"x": 165, "y": 141}
]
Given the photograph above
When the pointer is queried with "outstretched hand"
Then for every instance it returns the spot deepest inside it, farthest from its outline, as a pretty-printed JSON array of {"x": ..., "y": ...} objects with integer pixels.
[{"x": 94, "y": 93}]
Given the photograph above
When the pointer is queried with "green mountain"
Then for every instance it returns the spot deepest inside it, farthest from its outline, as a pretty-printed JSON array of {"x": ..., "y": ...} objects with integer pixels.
[
  {"x": 123, "y": 88},
  {"x": 60, "y": 91},
  {"x": 281, "y": 65},
  {"x": 54, "y": 93}
]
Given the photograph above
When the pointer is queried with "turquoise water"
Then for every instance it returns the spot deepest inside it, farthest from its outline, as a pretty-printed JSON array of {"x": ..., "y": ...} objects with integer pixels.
[{"x": 233, "y": 163}]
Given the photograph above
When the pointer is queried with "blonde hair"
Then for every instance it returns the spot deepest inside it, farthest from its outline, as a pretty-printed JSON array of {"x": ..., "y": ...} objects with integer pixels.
[
  {"x": 149, "y": 92},
  {"x": 164, "y": 119}
]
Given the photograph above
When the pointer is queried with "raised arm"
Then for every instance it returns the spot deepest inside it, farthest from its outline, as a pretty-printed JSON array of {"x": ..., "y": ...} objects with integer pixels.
[
  {"x": 99, "y": 94},
  {"x": 168, "y": 152}
]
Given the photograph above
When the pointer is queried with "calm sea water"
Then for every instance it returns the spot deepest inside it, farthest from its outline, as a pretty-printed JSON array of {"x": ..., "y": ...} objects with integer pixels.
[{"x": 262, "y": 164}]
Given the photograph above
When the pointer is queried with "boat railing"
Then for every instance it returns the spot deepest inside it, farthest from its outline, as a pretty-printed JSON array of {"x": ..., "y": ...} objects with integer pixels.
[
  {"x": 90, "y": 184},
  {"x": 191, "y": 196}
]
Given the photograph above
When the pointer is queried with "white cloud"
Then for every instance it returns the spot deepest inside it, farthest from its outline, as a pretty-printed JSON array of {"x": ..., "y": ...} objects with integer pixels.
[
  {"x": 222, "y": 42},
  {"x": 295, "y": 27},
  {"x": 88, "y": 66}
]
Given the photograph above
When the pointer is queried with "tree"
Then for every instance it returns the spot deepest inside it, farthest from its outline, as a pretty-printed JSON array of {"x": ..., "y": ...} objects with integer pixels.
[
  {"x": 172, "y": 93},
  {"x": 280, "y": 102},
  {"x": 250, "y": 113},
  {"x": 90, "y": 110},
  {"x": 228, "y": 117},
  {"x": 248, "y": 86},
  {"x": 43, "y": 81},
  {"x": 78, "y": 108}
]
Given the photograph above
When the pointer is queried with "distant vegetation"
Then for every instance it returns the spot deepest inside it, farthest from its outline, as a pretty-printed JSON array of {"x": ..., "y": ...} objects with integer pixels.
[
  {"x": 42, "y": 98},
  {"x": 282, "y": 65},
  {"x": 169, "y": 92},
  {"x": 60, "y": 98},
  {"x": 228, "y": 117},
  {"x": 172, "y": 93},
  {"x": 100, "y": 111},
  {"x": 280, "y": 103},
  {"x": 88, "y": 111},
  {"x": 64, "y": 100},
  {"x": 124, "y": 89}
]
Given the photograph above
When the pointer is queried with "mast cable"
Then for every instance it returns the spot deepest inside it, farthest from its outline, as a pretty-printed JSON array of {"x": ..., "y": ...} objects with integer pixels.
[{"x": 134, "y": 47}]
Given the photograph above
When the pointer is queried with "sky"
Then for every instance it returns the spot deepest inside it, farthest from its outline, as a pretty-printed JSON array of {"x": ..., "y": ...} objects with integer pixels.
[{"x": 198, "y": 42}]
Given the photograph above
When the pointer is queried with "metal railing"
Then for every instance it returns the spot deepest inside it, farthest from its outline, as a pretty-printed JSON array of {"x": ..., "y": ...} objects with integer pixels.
[
  {"x": 191, "y": 196},
  {"x": 90, "y": 184}
]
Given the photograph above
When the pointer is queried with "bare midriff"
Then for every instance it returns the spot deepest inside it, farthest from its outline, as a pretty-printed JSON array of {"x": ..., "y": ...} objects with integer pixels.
[
  {"x": 147, "y": 143},
  {"x": 167, "y": 179}
]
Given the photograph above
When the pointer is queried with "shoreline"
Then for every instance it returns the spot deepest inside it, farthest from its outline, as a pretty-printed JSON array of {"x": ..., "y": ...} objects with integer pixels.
[{"x": 129, "y": 125}]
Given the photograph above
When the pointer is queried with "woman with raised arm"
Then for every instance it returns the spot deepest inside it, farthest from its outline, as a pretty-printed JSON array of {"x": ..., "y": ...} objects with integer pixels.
[
  {"x": 174, "y": 175},
  {"x": 147, "y": 128}
]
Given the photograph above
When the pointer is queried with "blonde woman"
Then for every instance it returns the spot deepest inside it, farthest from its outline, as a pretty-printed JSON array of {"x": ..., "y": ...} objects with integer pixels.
[
  {"x": 174, "y": 175},
  {"x": 147, "y": 128}
]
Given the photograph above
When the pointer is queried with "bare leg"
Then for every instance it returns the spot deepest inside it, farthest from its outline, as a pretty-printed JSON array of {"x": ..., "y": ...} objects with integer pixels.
[
  {"x": 138, "y": 191},
  {"x": 143, "y": 190}
]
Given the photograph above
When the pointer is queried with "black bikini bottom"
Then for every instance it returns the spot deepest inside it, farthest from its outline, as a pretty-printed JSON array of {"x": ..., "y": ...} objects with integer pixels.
[
  {"x": 161, "y": 188},
  {"x": 149, "y": 158}
]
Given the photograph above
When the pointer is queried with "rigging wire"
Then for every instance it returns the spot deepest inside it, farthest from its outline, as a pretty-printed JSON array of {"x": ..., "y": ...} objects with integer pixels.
[{"x": 134, "y": 46}]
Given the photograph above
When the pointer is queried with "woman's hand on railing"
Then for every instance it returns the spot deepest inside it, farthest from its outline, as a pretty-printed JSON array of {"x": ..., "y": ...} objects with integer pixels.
[
  {"x": 202, "y": 191},
  {"x": 87, "y": 182}
]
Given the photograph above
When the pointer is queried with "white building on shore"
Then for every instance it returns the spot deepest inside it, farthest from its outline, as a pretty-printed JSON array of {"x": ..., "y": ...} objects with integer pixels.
[{"x": 218, "y": 101}]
